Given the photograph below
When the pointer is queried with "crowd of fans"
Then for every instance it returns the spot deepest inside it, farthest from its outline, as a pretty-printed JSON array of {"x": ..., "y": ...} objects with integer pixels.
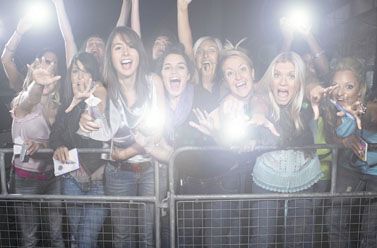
[{"x": 145, "y": 106}]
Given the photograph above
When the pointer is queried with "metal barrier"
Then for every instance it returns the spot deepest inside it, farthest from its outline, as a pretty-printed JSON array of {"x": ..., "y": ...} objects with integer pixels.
[
  {"x": 222, "y": 220},
  {"x": 293, "y": 220},
  {"x": 46, "y": 206}
]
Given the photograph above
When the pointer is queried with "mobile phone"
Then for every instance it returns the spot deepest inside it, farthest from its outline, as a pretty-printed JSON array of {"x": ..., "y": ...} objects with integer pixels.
[
  {"x": 364, "y": 150},
  {"x": 23, "y": 156}
]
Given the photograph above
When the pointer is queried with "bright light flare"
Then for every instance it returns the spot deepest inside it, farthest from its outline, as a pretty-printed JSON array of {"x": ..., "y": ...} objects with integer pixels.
[
  {"x": 235, "y": 130},
  {"x": 38, "y": 12},
  {"x": 153, "y": 122},
  {"x": 299, "y": 18}
]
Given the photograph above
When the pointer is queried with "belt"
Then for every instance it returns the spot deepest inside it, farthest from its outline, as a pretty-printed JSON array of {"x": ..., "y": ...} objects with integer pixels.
[{"x": 134, "y": 167}]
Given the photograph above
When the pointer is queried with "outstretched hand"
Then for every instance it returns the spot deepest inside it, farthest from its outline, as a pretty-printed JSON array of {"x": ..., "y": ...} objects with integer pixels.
[
  {"x": 261, "y": 120},
  {"x": 43, "y": 73},
  {"x": 205, "y": 122},
  {"x": 356, "y": 110},
  {"x": 81, "y": 91},
  {"x": 317, "y": 94}
]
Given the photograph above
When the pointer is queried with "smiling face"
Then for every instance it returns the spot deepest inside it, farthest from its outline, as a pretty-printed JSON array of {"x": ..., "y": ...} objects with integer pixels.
[
  {"x": 124, "y": 57},
  {"x": 175, "y": 74},
  {"x": 284, "y": 84},
  {"x": 96, "y": 46},
  {"x": 159, "y": 46},
  {"x": 207, "y": 56},
  {"x": 349, "y": 88},
  {"x": 238, "y": 75}
]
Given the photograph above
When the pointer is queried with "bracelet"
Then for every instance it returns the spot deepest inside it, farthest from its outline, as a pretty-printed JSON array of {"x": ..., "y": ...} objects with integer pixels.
[{"x": 319, "y": 54}]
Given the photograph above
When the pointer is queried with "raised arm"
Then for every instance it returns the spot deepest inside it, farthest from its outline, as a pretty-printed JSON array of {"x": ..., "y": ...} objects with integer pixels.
[
  {"x": 66, "y": 30},
  {"x": 124, "y": 13},
  {"x": 184, "y": 29},
  {"x": 7, "y": 58},
  {"x": 319, "y": 57},
  {"x": 41, "y": 75},
  {"x": 135, "y": 17}
]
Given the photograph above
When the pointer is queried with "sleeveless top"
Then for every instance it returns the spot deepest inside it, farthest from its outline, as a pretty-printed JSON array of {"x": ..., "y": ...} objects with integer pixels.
[
  {"x": 288, "y": 171},
  {"x": 34, "y": 127}
]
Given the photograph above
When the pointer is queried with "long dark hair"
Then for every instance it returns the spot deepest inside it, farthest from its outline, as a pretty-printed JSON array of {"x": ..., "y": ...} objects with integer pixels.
[
  {"x": 91, "y": 66},
  {"x": 109, "y": 72}
]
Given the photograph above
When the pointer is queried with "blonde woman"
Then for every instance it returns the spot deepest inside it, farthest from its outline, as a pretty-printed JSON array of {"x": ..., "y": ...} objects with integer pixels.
[{"x": 285, "y": 171}]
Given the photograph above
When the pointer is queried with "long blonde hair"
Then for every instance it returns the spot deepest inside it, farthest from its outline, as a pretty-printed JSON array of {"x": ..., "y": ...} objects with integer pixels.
[{"x": 296, "y": 103}]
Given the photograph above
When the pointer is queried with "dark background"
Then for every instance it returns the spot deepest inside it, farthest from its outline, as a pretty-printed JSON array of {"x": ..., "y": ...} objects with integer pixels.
[{"x": 226, "y": 19}]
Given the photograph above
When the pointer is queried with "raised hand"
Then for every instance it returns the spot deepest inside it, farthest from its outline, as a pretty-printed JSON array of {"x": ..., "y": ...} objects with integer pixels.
[
  {"x": 316, "y": 94},
  {"x": 81, "y": 91},
  {"x": 43, "y": 73},
  {"x": 206, "y": 123},
  {"x": 357, "y": 109},
  {"x": 183, "y": 4}
]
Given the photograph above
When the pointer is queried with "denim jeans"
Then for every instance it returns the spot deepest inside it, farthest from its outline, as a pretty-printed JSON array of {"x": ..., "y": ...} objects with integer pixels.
[
  {"x": 340, "y": 217},
  {"x": 266, "y": 214},
  {"x": 29, "y": 213},
  {"x": 85, "y": 219},
  {"x": 126, "y": 217},
  {"x": 214, "y": 223}
]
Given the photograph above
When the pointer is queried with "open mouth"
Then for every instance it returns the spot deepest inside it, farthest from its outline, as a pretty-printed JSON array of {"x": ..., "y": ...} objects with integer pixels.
[
  {"x": 241, "y": 84},
  {"x": 175, "y": 83},
  {"x": 126, "y": 63},
  {"x": 206, "y": 65},
  {"x": 282, "y": 93}
]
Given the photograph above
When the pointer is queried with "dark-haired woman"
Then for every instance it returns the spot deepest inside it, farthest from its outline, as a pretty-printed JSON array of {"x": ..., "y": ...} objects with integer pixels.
[
  {"x": 134, "y": 94},
  {"x": 83, "y": 83}
]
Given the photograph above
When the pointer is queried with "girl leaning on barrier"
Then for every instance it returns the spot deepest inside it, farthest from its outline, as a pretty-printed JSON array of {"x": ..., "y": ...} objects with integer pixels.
[
  {"x": 356, "y": 170},
  {"x": 135, "y": 102},
  {"x": 229, "y": 125},
  {"x": 33, "y": 112},
  {"x": 84, "y": 83},
  {"x": 285, "y": 171}
]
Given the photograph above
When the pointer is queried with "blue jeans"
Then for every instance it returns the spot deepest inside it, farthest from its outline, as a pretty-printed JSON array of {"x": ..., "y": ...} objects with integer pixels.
[
  {"x": 125, "y": 217},
  {"x": 298, "y": 230},
  {"x": 28, "y": 212},
  {"x": 85, "y": 219}
]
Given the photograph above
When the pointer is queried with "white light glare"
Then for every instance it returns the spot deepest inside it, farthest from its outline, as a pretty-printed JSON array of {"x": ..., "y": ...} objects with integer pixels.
[
  {"x": 299, "y": 19},
  {"x": 153, "y": 122},
  {"x": 235, "y": 130},
  {"x": 38, "y": 12}
]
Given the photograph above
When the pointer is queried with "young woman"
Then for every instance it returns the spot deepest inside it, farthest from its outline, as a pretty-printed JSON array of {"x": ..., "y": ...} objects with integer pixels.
[
  {"x": 84, "y": 79},
  {"x": 285, "y": 171},
  {"x": 33, "y": 111},
  {"x": 224, "y": 124},
  {"x": 182, "y": 95},
  {"x": 205, "y": 51},
  {"x": 133, "y": 94},
  {"x": 354, "y": 174}
]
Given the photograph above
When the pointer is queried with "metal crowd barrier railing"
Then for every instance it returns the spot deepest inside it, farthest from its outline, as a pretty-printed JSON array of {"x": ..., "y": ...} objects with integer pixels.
[
  {"x": 180, "y": 203},
  {"x": 183, "y": 208}
]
